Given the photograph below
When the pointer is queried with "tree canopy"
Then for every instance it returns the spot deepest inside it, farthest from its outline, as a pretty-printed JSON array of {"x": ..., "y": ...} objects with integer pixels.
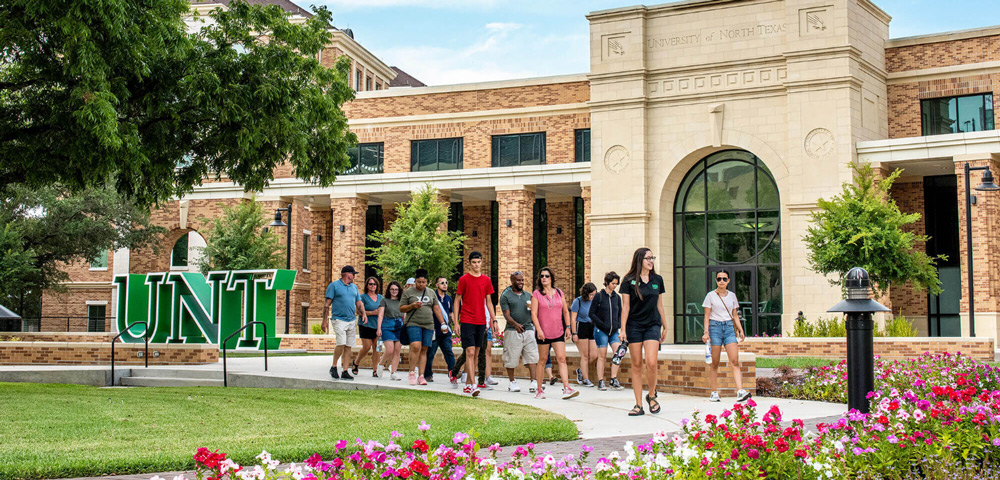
[
  {"x": 43, "y": 229},
  {"x": 863, "y": 227},
  {"x": 238, "y": 241},
  {"x": 93, "y": 90},
  {"x": 416, "y": 240}
]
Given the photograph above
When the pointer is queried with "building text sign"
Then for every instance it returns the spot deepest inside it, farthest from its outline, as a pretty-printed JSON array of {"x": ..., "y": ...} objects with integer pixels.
[{"x": 186, "y": 307}]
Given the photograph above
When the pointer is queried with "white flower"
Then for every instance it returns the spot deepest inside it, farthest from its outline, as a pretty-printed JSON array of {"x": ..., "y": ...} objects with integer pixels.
[
  {"x": 549, "y": 460},
  {"x": 264, "y": 456},
  {"x": 660, "y": 437},
  {"x": 614, "y": 455},
  {"x": 601, "y": 467},
  {"x": 157, "y": 477}
]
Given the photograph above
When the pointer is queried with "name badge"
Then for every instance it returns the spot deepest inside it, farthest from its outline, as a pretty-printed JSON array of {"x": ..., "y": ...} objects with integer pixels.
[
  {"x": 655, "y": 287},
  {"x": 633, "y": 282}
]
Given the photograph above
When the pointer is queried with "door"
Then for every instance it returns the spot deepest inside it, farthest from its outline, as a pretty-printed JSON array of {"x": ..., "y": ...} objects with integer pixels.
[{"x": 742, "y": 281}]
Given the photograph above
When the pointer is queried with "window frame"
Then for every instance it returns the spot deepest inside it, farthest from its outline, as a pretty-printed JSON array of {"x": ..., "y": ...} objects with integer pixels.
[
  {"x": 355, "y": 168},
  {"x": 91, "y": 317},
  {"x": 495, "y": 160},
  {"x": 579, "y": 156},
  {"x": 306, "y": 236},
  {"x": 988, "y": 120},
  {"x": 415, "y": 154},
  {"x": 187, "y": 252},
  {"x": 99, "y": 268}
]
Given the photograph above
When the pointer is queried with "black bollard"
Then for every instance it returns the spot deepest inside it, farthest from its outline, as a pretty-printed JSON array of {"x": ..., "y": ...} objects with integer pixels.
[{"x": 860, "y": 331}]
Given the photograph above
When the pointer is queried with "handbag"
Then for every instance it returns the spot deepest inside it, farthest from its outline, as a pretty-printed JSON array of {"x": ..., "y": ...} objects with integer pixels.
[{"x": 730, "y": 316}]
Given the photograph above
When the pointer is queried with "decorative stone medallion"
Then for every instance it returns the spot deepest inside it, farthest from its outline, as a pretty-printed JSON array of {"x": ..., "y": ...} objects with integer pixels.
[
  {"x": 616, "y": 159},
  {"x": 819, "y": 142}
]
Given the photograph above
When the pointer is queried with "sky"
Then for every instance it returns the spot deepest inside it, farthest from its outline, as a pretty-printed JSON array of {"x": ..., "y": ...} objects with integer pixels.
[{"x": 444, "y": 42}]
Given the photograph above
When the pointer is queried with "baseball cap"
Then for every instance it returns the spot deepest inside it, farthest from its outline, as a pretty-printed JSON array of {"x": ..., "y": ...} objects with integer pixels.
[
  {"x": 348, "y": 269},
  {"x": 411, "y": 280}
]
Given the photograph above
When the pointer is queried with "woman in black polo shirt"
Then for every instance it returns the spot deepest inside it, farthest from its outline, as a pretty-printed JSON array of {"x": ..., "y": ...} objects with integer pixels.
[{"x": 644, "y": 324}]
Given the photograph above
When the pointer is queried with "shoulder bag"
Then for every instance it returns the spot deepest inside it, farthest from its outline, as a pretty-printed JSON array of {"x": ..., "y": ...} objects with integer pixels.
[{"x": 730, "y": 315}]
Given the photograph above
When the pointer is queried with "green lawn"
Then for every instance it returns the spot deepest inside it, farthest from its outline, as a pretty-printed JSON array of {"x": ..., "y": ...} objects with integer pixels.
[
  {"x": 793, "y": 362},
  {"x": 51, "y": 431}
]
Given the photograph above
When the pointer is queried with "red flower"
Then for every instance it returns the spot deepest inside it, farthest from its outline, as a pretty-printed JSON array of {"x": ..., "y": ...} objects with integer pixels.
[
  {"x": 420, "y": 467},
  {"x": 710, "y": 418},
  {"x": 800, "y": 453},
  {"x": 420, "y": 446},
  {"x": 781, "y": 445},
  {"x": 403, "y": 473}
]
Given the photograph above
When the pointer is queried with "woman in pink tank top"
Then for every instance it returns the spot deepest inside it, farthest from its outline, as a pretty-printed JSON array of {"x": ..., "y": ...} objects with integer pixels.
[{"x": 552, "y": 327}]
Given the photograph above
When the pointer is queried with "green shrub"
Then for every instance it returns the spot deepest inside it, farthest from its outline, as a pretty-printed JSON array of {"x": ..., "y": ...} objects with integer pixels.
[
  {"x": 898, "y": 326},
  {"x": 317, "y": 329}
]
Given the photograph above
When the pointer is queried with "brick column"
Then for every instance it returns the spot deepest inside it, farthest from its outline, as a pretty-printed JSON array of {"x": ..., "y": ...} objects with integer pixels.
[
  {"x": 562, "y": 249},
  {"x": 599, "y": 281},
  {"x": 444, "y": 196},
  {"x": 349, "y": 244},
  {"x": 985, "y": 245},
  {"x": 478, "y": 229},
  {"x": 516, "y": 241}
]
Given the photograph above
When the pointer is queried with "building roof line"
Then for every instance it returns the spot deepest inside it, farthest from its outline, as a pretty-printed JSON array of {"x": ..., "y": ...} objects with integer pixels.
[
  {"x": 463, "y": 87},
  {"x": 943, "y": 36}
]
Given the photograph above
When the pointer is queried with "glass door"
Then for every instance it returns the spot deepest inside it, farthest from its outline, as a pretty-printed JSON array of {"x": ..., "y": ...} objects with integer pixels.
[{"x": 742, "y": 281}]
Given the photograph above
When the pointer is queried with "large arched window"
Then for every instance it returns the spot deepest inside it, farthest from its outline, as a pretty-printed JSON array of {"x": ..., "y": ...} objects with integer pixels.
[
  {"x": 187, "y": 251},
  {"x": 727, "y": 217}
]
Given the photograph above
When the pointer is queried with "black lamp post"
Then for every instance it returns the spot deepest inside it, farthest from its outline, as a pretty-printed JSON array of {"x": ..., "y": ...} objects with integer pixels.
[
  {"x": 860, "y": 345},
  {"x": 288, "y": 248},
  {"x": 986, "y": 186}
]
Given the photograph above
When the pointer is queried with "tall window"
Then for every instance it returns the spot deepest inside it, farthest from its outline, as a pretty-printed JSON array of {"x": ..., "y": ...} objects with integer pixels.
[
  {"x": 540, "y": 240},
  {"x": 374, "y": 222},
  {"x": 179, "y": 254},
  {"x": 579, "y": 246},
  {"x": 495, "y": 250},
  {"x": 305, "y": 250},
  {"x": 969, "y": 113},
  {"x": 437, "y": 154},
  {"x": 581, "y": 145},
  {"x": 520, "y": 149},
  {"x": 357, "y": 80},
  {"x": 727, "y": 218},
  {"x": 95, "y": 317},
  {"x": 366, "y": 158},
  {"x": 368, "y": 83},
  {"x": 100, "y": 262},
  {"x": 941, "y": 221},
  {"x": 456, "y": 223},
  {"x": 304, "y": 320}
]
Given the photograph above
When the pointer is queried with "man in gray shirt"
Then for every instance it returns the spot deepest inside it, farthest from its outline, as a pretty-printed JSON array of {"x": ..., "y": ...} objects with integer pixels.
[{"x": 519, "y": 336}]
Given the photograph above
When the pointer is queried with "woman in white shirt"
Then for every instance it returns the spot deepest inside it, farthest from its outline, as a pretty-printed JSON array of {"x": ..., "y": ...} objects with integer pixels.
[{"x": 722, "y": 329}]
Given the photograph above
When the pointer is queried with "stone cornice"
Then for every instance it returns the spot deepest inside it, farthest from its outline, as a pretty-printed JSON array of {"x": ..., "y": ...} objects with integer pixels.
[
  {"x": 940, "y": 73},
  {"x": 354, "y": 49},
  {"x": 928, "y": 147}
]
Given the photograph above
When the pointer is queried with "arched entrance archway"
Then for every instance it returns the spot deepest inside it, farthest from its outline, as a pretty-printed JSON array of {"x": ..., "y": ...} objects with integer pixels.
[{"x": 727, "y": 217}]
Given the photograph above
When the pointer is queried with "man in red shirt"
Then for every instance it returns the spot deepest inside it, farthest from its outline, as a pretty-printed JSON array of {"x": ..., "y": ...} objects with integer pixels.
[{"x": 474, "y": 289}]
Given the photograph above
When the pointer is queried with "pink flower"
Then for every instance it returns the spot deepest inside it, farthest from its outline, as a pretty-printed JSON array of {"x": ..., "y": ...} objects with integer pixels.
[
  {"x": 753, "y": 453},
  {"x": 424, "y": 426},
  {"x": 459, "y": 438},
  {"x": 341, "y": 445}
]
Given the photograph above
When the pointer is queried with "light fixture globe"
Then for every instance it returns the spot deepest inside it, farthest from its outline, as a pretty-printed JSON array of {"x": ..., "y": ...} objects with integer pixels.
[
  {"x": 987, "y": 185},
  {"x": 277, "y": 220}
]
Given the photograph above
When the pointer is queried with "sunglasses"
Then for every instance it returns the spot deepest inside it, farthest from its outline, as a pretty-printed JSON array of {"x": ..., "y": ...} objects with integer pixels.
[
  {"x": 544, "y": 275},
  {"x": 442, "y": 283},
  {"x": 721, "y": 279}
]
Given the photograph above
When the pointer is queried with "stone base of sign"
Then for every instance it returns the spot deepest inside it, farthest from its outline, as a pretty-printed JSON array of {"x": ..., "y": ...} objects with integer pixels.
[
  {"x": 93, "y": 353},
  {"x": 979, "y": 348}
]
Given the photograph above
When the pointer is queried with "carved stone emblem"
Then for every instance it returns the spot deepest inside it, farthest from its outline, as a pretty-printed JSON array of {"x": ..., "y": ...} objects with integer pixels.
[
  {"x": 819, "y": 142},
  {"x": 616, "y": 159}
]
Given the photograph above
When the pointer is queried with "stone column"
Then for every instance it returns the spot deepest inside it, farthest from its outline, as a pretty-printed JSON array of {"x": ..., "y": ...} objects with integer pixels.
[
  {"x": 516, "y": 241},
  {"x": 985, "y": 245},
  {"x": 348, "y": 232},
  {"x": 562, "y": 248}
]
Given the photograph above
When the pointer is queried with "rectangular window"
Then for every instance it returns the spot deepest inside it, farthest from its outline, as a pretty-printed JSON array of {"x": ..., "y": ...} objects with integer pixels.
[
  {"x": 366, "y": 158},
  {"x": 374, "y": 222},
  {"x": 378, "y": 86},
  {"x": 540, "y": 244},
  {"x": 357, "y": 80},
  {"x": 437, "y": 154},
  {"x": 100, "y": 262},
  {"x": 305, "y": 251},
  {"x": 368, "y": 83},
  {"x": 95, "y": 318},
  {"x": 495, "y": 250},
  {"x": 969, "y": 113},
  {"x": 304, "y": 320},
  {"x": 581, "y": 150},
  {"x": 578, "y": 238},
  {"x": 519, "y": 149}
]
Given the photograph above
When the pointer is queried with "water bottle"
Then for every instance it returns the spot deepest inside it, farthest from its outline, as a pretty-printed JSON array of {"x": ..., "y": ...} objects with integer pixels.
[
  {"x": 708, "y": 352},
  {"x": 616, "y": 359}
]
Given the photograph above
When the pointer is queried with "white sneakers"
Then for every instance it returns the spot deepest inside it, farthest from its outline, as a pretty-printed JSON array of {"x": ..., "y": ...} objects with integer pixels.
[
  {"x": 491, "y": 381},
  {"x": 714, "y": 397},
  {"x": 533, "y": 386},
  {"x": 393, "y": 376},
  {"x": 569, "y": 393},
  {"x": 742, "y": 395},
  {"x": 380, "y": 369},
  {"x": 513, "y": 387}
]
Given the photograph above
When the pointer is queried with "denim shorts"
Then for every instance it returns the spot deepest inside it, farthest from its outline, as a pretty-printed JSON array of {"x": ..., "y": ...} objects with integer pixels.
[
  {"x": 392, "y": 328},
  {"x": 420, "y": 334},
  {"x": 721, "y": 333},
  {"x": 603, "y": 340}
]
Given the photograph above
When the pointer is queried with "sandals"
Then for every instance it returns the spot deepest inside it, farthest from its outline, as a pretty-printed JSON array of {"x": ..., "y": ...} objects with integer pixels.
[
  {"x": 654, "y": 406},
  {"x": 354, "y": 368},
  {"x": 636, "y": 411}
]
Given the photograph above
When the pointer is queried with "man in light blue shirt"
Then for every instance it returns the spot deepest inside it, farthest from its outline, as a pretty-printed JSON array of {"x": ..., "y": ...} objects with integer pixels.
[{"x": 344, "y": 301}]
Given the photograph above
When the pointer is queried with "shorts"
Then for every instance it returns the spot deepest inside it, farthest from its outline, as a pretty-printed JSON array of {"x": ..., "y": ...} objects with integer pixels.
[
  {"x": 392, "y": 328},
  {"x": 473, "y": 335},
  {"x": 638, "y": 333},
  {"x": 603, "y": 340},
  {"x": 344, "y": 330},
  {"x": 489, "y": 335},
  {"x": 550, "y": 341},
  {"x": 519, "y": 346},
  {"x": 367, "y": 333},
  {"x": 721, "y": 333},
  {"x": 420, "y": 334},
  {"x": 585, "y": 330}
]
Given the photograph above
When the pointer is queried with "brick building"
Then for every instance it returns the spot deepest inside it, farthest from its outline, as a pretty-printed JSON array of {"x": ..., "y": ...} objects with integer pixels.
[{"x": 714, "y": 126}]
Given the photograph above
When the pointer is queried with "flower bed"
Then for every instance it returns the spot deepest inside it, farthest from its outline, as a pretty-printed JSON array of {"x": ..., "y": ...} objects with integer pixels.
[{"x": 940, "y": 422}]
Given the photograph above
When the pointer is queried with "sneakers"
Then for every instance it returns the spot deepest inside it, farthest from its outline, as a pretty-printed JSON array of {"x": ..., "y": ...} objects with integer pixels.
[
  {"x": 540, "y": 394},
  {"x": 333, "y": 373},
  {"x": 552, "y": 381},
  {"x": 394, "y": 377},
  {"x": 714, "y": 397},
  {"x": 485, "y": 386},
  {"x": 491, "y": 381},
  {"x": 413, "y": 378},
  {"x": 587, "y": 383},
  {"x": 421, "y": 380},
  {"x": 454, "y": 380},
  {"x": 569, "y": 393},
  {"x": 533, "y": 386},
  {"x": 615, "y": 384},
  {"x": 346, "y": 376},
  {"x": 470, "y": 390},
  {"x": 379, "y": 370},
  {"x": 475, "y": 391},
  {"x": 601, "y": 385},
  {"x": 579, "y": 376},
  {"x": 464, "y": 375},
  {"x": 742, "y": 395},
  {"x": 429, "y": 379},
  {"x": 513, "y": 387}
]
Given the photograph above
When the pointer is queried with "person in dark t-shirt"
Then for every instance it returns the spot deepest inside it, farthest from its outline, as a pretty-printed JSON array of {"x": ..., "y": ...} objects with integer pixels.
[{"x": 644, "y": 324}]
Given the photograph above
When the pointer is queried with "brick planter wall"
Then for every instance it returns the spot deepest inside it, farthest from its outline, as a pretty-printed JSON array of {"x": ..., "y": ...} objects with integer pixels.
[
  {"x": 91, "y": 353},
  {"x": 77, "y": 337},
  {"x": 887, "y": 347}
]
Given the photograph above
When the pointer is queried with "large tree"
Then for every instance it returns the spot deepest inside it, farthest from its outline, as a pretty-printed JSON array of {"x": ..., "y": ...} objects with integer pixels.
[
  {"x": 43, "y": 229},
  {"x": 863, "y": 227},
  {"x": 239, "y": 241},
  {"x": 416, "y": 240},
  {"x": 119, "y": 89}
]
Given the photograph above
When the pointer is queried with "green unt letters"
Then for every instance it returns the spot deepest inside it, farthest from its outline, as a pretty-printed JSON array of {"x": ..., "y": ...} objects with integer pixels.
[{"x": 183, "y": 307}]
